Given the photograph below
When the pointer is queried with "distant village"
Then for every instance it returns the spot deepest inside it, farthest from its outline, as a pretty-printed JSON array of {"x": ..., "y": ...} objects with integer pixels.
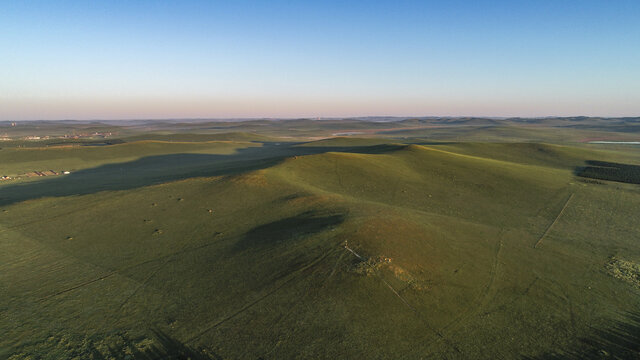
[
  {"x": 35, "y": 174},
  {"x": 88, "y": 135},
  {"x": 102, "y": 135}
]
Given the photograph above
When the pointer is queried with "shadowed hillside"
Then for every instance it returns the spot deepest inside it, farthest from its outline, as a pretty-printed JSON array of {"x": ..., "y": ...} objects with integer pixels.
[{"x": 161, "y": 168}]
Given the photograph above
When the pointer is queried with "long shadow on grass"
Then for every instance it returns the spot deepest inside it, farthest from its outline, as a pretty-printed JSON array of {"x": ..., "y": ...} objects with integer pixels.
[
  {"x": 621, "y": 340},
  {"x": 281, "y": 231},
  {"x": 162, "y": 168}
]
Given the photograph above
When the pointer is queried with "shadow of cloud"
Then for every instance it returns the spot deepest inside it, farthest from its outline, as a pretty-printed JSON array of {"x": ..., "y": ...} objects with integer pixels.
[{"x": 163, "y": 168}]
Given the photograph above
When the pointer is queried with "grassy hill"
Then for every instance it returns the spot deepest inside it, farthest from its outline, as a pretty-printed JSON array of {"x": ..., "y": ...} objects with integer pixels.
[{"x": 340, "y": 248}]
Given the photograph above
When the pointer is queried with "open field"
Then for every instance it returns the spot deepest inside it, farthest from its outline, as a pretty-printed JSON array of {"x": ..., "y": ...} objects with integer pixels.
[{"x": 411, "y": 238}]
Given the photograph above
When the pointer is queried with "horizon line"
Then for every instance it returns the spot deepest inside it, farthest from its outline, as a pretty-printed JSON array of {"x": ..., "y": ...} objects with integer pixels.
[{"x": 316, "y": 118}]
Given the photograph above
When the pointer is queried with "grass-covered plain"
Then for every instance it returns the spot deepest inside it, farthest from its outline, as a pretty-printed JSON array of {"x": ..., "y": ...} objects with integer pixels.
[{"x": 272, "y": 244}]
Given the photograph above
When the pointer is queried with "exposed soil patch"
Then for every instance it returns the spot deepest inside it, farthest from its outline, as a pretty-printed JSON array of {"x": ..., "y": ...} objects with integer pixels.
[
  {"x": 625, "y": 270},
  {"x": 368, "y": 267},
  {"x": 372, "y": 265}
]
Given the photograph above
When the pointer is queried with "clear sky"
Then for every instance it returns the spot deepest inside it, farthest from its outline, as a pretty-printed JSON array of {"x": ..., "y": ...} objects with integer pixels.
[{"x": 185, "y": 59}]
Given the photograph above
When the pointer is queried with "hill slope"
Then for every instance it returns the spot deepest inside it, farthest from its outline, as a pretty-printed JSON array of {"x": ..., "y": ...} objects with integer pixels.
[{"x": 402, "y": 251}]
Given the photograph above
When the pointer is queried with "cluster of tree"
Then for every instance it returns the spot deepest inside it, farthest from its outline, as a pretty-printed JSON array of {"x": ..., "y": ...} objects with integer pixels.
[{"x": 603, "y": 170}]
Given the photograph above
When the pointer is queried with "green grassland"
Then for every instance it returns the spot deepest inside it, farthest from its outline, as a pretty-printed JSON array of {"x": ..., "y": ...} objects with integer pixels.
[{"x": 269, "y": 245}]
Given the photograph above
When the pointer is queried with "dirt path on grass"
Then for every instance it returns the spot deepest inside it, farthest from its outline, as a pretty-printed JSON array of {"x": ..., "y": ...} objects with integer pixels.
[{"x": 554, "y": 221}]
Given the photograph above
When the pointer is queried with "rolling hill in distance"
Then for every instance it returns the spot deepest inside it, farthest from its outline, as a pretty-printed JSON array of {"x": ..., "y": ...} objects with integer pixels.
[{"x": 376, "y": 238}]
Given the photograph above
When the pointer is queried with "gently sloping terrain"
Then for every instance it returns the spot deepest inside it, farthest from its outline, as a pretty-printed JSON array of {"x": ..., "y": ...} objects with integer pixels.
[{"x": 384, "y": 251}]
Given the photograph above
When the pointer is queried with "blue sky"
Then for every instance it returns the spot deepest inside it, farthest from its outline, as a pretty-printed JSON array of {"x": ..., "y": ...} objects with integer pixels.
[{"x": 128, "y": 59}]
